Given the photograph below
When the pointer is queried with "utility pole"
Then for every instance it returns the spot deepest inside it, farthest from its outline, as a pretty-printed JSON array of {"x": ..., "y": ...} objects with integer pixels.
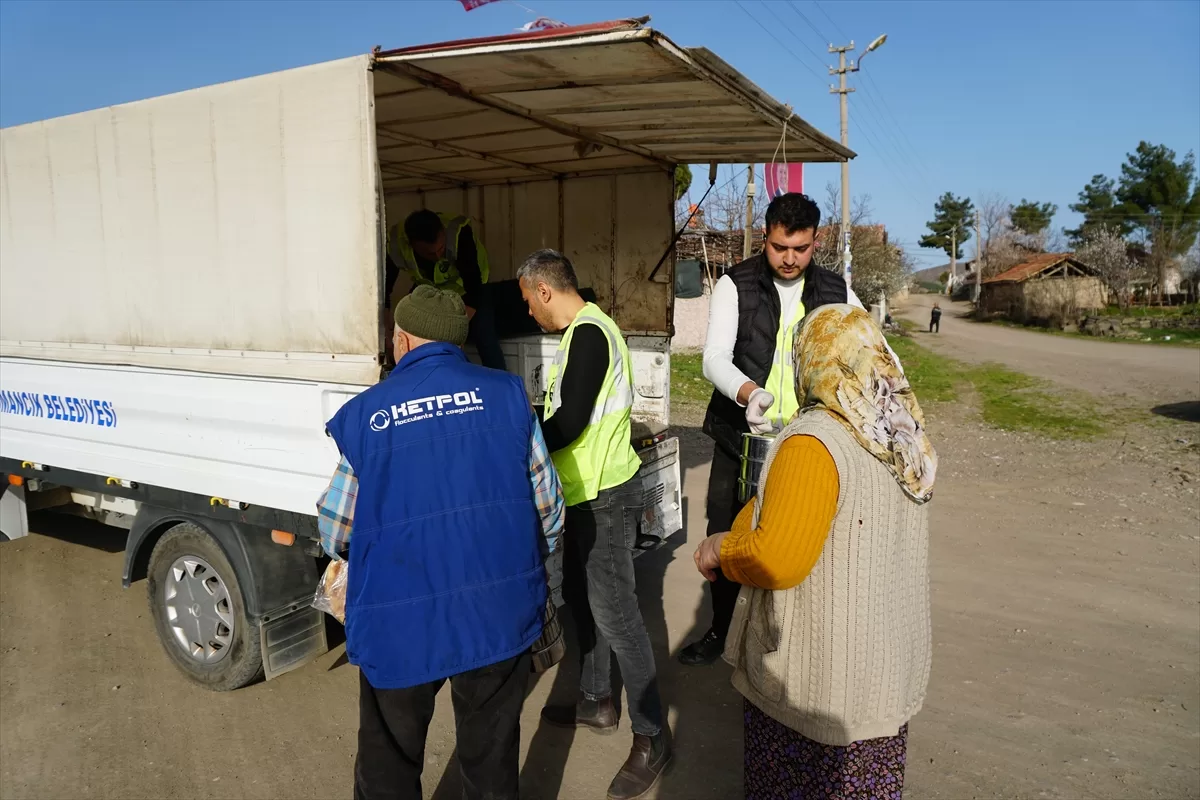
[
  {"x": 978, "y": 257},
  {"x": 841, "y": 90},
  {"x": 749, "y": 231}
]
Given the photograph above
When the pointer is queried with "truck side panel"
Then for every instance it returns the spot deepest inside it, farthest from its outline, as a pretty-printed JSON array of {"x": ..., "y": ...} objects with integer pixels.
[
  {"x": 244, "y": 440},
  {"x": 231, "y": 229}
]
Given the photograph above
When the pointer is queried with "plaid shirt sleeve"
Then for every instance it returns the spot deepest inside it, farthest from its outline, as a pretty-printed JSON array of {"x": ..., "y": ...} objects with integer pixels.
[
  {"x": 547, "y": 490},
  {"x": 335, "y": 510}
]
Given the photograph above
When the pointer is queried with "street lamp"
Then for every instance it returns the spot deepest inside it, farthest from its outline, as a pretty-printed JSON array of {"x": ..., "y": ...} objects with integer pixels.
[{"x": 841, "y": 89}]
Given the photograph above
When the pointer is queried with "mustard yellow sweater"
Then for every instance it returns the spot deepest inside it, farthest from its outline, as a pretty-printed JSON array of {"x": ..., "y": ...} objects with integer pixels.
[{"x": 800, "y": 503}]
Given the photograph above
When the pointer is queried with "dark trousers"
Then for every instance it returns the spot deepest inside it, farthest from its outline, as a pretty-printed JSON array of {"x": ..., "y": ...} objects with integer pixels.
[
  {"x": 599, "y": 586},
  {"x": 935, "y": 325},
  {"x": 482, "y": 331},
  {"x": 392, "y": 724},
  {"x": 722, "y": 508}
]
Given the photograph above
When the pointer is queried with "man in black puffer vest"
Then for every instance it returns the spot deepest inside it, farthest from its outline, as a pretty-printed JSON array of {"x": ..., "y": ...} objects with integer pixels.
[{"x": 753, "y": 313}]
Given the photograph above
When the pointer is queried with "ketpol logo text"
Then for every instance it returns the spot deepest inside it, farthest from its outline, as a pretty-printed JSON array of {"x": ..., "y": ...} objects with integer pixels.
[{"x": 441, "y": 405}]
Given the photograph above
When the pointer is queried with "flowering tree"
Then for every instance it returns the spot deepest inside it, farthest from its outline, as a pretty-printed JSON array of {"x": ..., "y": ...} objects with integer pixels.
[{"x": 1104, "y": 249}]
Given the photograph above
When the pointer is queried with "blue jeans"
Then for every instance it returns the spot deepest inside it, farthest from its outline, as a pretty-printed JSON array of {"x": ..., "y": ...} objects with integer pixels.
[{"x": 599, "y": 586}]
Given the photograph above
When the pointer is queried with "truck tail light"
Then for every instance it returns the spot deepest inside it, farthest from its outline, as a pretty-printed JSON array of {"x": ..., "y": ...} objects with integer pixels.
[{"x": 283, "y": 537}]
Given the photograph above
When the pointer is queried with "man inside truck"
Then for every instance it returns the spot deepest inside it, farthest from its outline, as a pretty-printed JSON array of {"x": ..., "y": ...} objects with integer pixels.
[
  {"x": 443, "y": 250},
  {"x": 589, "y": 398},
  {"x": 446, "y": 577}
]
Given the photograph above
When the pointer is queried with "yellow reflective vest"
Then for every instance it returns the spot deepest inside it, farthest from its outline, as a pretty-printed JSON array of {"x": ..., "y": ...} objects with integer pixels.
[
  {"x": 445, "y": 271},
  {"x": 781, "y": 382},
  {"x": 603, "y": 455}
]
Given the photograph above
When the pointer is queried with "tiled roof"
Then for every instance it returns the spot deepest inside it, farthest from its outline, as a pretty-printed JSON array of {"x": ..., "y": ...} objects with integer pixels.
[{"x": 1034, "y": 266}]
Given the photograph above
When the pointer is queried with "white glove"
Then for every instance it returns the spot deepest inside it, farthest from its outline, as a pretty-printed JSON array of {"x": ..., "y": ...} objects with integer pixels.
[{"x": 756, "y": 409}]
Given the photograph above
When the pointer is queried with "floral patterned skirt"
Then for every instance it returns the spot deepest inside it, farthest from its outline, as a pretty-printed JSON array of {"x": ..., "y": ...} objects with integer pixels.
[{"x": 783, "y": 765}]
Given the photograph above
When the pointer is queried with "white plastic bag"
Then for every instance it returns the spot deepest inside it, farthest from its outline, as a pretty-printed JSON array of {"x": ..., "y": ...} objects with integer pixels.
[{"x": 331, "y": 591}]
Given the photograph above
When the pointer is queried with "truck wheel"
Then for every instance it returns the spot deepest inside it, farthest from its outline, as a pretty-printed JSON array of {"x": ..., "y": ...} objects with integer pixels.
[{"x": 199, "y": 613}]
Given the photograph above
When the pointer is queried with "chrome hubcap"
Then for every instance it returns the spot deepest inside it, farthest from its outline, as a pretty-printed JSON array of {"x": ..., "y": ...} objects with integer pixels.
[{"x": 199, "y": 609}]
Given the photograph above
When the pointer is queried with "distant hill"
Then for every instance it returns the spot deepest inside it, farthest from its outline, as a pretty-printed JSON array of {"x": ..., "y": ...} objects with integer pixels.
[{"x": 930, "y": 275}]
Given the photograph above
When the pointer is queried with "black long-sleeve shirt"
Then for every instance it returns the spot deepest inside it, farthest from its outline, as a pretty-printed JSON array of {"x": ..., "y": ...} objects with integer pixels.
[{"x": 578, "y": 386}]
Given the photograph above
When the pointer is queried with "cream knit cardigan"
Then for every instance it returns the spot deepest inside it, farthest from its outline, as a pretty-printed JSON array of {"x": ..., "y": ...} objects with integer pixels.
[{"x": 845, "y": 655}]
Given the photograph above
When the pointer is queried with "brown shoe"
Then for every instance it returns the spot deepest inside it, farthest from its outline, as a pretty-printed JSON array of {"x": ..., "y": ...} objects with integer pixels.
[
  {"x": 647, "y": 762},
  {"x": 597, "y": 715}
]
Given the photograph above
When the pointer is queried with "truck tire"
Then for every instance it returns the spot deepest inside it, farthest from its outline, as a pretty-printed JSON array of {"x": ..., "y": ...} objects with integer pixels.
[{"x": 199, "y": 611}]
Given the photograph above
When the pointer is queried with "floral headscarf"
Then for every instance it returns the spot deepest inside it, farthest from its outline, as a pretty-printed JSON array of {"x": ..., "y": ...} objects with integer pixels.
[{"x": 844, "y": 367}]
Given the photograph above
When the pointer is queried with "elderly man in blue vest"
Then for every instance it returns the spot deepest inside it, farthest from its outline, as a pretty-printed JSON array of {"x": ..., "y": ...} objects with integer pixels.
[
  {"x": 448, "y": 503},
  {"x": 589, "y": 397}
]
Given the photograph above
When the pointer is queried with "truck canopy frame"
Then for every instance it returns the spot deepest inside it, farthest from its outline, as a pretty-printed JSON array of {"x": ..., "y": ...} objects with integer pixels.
[{"x": 582, "y": 100}]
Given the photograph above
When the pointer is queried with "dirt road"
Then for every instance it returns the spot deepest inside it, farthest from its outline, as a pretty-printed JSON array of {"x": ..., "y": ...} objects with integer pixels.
[
  {"x": 1066, "y": 607},
  {"x": 1153, "y": 374}
]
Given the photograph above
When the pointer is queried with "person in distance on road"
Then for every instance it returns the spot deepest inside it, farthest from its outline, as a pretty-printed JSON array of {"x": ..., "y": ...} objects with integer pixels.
[
  {"x": 935, "y": 319},
  {"x": 449, "y": 505},
  {"x": 830, "y": 642}
]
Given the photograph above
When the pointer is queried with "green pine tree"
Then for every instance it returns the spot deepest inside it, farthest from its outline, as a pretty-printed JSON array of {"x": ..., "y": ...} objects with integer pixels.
[
  {"x": 952, "y": 215},
  {"x": 1031, "y": 217}
]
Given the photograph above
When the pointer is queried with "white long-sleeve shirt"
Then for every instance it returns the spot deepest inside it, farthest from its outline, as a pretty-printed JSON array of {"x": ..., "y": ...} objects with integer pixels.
[{"x": 723, "y": 328}]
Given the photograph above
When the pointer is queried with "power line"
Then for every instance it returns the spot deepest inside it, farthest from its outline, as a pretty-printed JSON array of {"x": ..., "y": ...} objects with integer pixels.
[
  {"x": 914, "y": 169},
  {"x": 874, "y": 96},
  {"x": 901, "y": 182},
  {"x": 902, "y": 159},
  {"x": 873, "y": 90},
  {"x": 831, "y": 22},
  {"x": 808, "y": 22},
  {"x": 872, "y": 138},
  {"x": 820, "y": 59},
  {"x": 777, "y": 39}
]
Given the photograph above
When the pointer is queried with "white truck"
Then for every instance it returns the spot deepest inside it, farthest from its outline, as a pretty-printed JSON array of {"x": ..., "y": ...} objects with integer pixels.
[{"x": 192, "y": 285}]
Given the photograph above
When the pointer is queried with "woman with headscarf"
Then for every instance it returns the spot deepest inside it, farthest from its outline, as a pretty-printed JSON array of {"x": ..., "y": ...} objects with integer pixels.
[{"x": 830, "y": 643}]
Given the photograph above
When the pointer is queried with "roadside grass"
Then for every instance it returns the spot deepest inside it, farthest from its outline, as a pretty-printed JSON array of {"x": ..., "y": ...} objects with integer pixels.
[
  {"x": 1187, "y": 338},
  {"x": 934, "y": 378},
  {"x": 1014, "y": 401},
  {"x": 1171, "y": 337},
  {"x": 688, "y": 384},
  {"x": 1006, "y": 399},
  {"x": 1188, "y": 309}
]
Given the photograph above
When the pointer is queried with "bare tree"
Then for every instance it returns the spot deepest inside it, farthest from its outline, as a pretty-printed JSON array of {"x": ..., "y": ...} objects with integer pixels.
[
  {"x": 1108, "y": 253},
  {"x": 1056, "y": 241},
  {"x": 879, "y": 269},
  {"x": 994, "y": 251},
  {"x": 829, "y": 244}
]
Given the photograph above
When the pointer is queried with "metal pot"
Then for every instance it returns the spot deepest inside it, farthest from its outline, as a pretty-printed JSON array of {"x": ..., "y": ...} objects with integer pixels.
[{"x": 754, "y": 453}]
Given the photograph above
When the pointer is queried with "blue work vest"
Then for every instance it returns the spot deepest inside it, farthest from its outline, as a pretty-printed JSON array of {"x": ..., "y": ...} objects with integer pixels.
[{"x": 446, "y": 570}]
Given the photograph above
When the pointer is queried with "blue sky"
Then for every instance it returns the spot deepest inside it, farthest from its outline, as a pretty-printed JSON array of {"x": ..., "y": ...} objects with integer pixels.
[{"x": 1025, "y": 99}]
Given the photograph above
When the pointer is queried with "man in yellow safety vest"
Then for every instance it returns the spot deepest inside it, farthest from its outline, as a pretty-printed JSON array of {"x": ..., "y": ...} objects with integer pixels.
[
  {"x": 589, "y": 397},
  {"x": 444, "y": 251}
]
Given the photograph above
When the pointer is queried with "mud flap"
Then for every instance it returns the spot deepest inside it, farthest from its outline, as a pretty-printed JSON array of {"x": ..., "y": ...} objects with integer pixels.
[
  {"x": 14, "y": 519},
  {"x": 291, "y": 640}
]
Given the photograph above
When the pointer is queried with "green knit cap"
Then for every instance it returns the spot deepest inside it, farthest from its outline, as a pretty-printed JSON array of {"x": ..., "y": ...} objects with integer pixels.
[{"x": 433, "y": 314}]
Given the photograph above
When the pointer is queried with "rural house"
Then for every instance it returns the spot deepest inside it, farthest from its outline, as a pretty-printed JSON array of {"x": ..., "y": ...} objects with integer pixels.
[{"x": 1050, "y": 287}]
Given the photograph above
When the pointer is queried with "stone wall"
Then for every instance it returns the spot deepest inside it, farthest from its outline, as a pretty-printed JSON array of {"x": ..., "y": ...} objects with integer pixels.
[
  {"x": 1132, "y": 327},
  {"x": 1046, "y": 300}
]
